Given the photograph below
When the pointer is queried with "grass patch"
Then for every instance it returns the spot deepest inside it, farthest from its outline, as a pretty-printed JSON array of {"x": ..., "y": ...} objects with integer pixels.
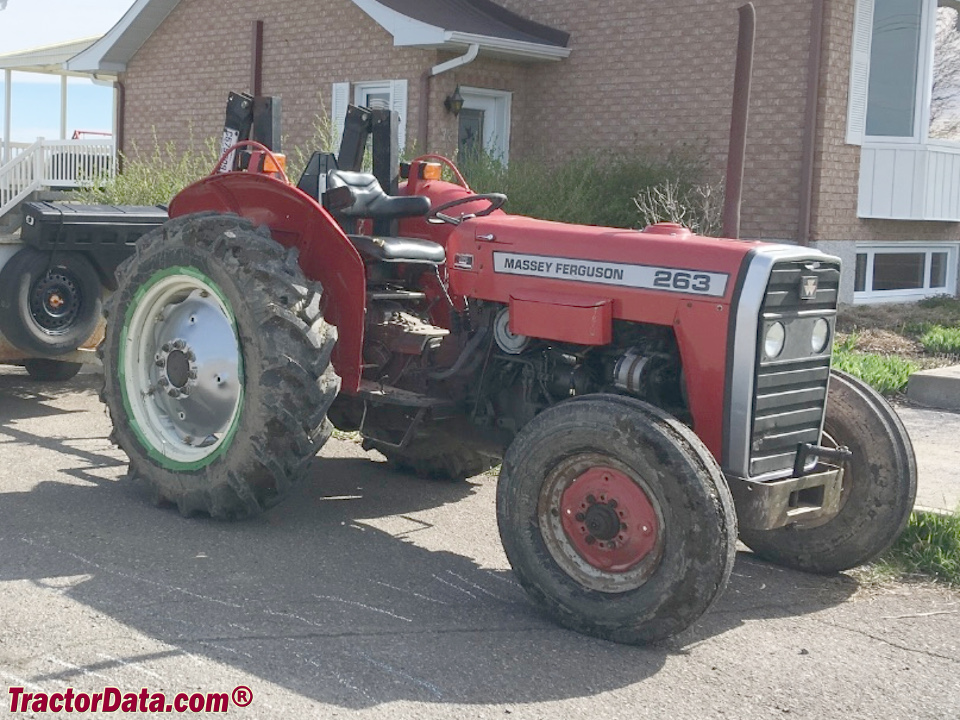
[
  {"x": 940, "y": 339},
  {"x": 888, "y": 374},
  {"x": 929, "y": 547}
]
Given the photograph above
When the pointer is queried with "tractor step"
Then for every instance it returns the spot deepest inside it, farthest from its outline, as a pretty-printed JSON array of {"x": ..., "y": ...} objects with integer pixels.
[{"x": 388, "y": 395}]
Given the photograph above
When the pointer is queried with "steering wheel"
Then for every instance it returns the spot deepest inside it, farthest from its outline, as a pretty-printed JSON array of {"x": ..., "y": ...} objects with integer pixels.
[{"x": 437, "y": 215}]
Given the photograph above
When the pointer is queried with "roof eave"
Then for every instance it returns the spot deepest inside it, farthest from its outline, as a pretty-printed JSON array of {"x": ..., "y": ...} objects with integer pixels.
[
  {"x": 411, "y": 33},
  {"x": 115, "y": 49}
]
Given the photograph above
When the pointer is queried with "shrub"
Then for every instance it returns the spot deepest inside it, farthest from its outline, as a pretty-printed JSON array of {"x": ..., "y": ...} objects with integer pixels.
[
  {"x": 589, "y": 190},
  {"x": 885, "y": 373}
]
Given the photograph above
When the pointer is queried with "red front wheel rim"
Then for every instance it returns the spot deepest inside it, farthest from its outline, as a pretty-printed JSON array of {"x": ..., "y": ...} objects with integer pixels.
[{"x": 601, "y": 523}]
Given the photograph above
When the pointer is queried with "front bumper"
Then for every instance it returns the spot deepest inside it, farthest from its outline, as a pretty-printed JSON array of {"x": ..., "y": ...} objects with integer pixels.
[{"x": 778, "y": 503}]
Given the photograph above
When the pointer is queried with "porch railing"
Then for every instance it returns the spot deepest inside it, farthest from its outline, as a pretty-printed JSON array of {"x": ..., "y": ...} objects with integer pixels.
[{"x": 54, "y": 164}]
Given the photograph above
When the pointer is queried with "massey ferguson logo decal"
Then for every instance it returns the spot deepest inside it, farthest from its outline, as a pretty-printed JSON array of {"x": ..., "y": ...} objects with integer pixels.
[
  {"x": 808, "y": 287},
  {"x": 607, "y": 273}
]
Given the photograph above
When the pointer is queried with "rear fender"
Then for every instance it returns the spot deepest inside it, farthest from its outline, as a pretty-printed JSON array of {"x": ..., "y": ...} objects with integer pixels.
[{"x": 296, "y": 220}]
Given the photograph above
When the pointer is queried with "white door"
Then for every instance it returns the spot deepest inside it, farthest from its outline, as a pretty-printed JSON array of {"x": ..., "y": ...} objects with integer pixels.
[{"x": 485, "y": 119}]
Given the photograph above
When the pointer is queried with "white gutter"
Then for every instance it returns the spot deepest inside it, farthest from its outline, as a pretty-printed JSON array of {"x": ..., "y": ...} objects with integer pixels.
[
  {"x": 468, "y": 57},
  {"x": 513, "y": 48}
]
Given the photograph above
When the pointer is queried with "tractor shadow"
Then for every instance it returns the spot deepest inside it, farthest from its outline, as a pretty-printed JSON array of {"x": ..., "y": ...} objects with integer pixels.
[
  {"x": 365, "y": 587},
  {"x": 21, "y": 397}
]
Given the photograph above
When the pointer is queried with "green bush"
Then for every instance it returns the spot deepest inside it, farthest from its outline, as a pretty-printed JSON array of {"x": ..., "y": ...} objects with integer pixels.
[
  {"x": 885, "y": 373},
  {"x": 152, "y": 179},
  {"x": 589, "y": 190},
  {"x": 939, "y": 339}
]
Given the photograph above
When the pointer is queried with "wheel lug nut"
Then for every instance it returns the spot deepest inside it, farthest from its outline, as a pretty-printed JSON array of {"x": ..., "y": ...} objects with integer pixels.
[
  {"x": 190, "y": 356},
  {"x": 580, "y": 517},
  {"x": 165, "y": 347},
  {"x": 591, "y": 499},
  {"x": 590, "y": 539},
  {"x": 163, "y": 382},
  {"x": 179, "y": 344},
  {"x": 173, "y": 392},
  {"x": 161, "y": 362},
  {"x": 613, "y": 503}
]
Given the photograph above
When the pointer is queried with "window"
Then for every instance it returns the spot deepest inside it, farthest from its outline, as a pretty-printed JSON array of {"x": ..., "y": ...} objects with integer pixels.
[
  {"x": 377, "y": 95},
  {"x": 905, "y": 72},
  {"x": 894, "y": 61},
  {"x": 904, "y": 271}
]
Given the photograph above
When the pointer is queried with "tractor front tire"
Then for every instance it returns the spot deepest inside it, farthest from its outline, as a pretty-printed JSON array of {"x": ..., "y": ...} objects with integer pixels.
[
  {"x": 616, "y": 519},
  {"x": 217, "y": 367},
  {"x": 878, "y": 492}
]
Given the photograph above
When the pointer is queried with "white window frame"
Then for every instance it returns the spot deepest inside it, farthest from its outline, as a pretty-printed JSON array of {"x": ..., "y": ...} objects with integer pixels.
[
  {"x": 496, "y": 119},
  {"x": 359, "y": 91},
  {"x": 871, "y": 250}
]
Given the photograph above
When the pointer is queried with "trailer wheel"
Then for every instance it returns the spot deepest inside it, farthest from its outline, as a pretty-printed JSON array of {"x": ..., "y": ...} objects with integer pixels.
[
  {"x": 438, "y": 458},
  {"x": 49, "y": 306},
  {"x": 879, "y": 487},
  {"x": 616, "y": 519},
  {"x": 44, "y": 370},
  {"x": 217, "y": 366}
]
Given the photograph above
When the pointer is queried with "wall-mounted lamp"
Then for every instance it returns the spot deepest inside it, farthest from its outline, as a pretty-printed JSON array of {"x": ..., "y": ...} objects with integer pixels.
[{"x": 454, "y": 103}]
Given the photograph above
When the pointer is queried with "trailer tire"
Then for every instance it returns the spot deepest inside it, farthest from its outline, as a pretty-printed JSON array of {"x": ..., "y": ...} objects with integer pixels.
[
  {"x": 44, "y": 370},
  {"x": 49, "y": 306},
  {"x": 217, "y": 369},
  {"x": 436, "y": 458},
  {"x": 633, "y": 571},
  {"x": 879, "y": 487}
]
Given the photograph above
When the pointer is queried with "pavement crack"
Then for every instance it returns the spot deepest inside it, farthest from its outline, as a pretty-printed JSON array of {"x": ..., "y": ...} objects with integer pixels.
[{"x": 885, "y": 641}]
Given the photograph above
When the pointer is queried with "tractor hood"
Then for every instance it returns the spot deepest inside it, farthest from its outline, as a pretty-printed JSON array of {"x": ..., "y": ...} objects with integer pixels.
[{"x": 660, "y": 258}]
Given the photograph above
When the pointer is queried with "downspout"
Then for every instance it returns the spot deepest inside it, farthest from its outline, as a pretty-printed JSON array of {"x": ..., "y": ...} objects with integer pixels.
[
  {"x": 805, "y": 219},
  {"x": 423, "y": 122},
  {"x": 121, "y": 122}
]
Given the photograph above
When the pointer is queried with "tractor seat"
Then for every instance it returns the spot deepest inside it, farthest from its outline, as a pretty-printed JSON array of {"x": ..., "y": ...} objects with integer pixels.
[
  {"x": 398, "y": 249},
  {"x": 370, "y": 201}
]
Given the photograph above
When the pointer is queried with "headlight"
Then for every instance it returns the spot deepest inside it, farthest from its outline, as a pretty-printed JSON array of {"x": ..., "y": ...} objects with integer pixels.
[
  {"x": 820, "y": 336},
  {"x": 773, "y": 340}
]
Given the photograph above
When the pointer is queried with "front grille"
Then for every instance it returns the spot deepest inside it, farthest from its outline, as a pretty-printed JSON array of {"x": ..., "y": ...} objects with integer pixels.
[{"x": 790, "y": 392}]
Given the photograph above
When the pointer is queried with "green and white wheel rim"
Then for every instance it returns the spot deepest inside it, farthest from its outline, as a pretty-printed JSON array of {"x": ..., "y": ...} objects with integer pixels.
[{"x": 181, "y": 369}]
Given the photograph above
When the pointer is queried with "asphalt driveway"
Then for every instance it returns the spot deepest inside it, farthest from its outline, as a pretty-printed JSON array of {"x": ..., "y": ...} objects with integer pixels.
[{"x": 371, "y": 594}]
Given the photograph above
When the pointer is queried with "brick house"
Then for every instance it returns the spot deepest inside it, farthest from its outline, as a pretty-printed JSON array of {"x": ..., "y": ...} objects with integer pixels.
[{"x": 849, "y": 143}]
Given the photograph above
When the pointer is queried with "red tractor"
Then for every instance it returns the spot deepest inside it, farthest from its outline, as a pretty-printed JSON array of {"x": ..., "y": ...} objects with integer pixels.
[{"x": 642, "y": 389}]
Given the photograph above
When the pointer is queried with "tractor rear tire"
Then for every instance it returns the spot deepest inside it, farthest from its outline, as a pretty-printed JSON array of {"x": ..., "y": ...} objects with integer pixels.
[
  {"x": 616, "y": 519},
  {"x": 879, "y": 487},
  {"x": 437, "y": 458},
  {"x": 49, "y": 306},
  {"x": 44, "y": 370},
  {"x": 217, "y": 367}
]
